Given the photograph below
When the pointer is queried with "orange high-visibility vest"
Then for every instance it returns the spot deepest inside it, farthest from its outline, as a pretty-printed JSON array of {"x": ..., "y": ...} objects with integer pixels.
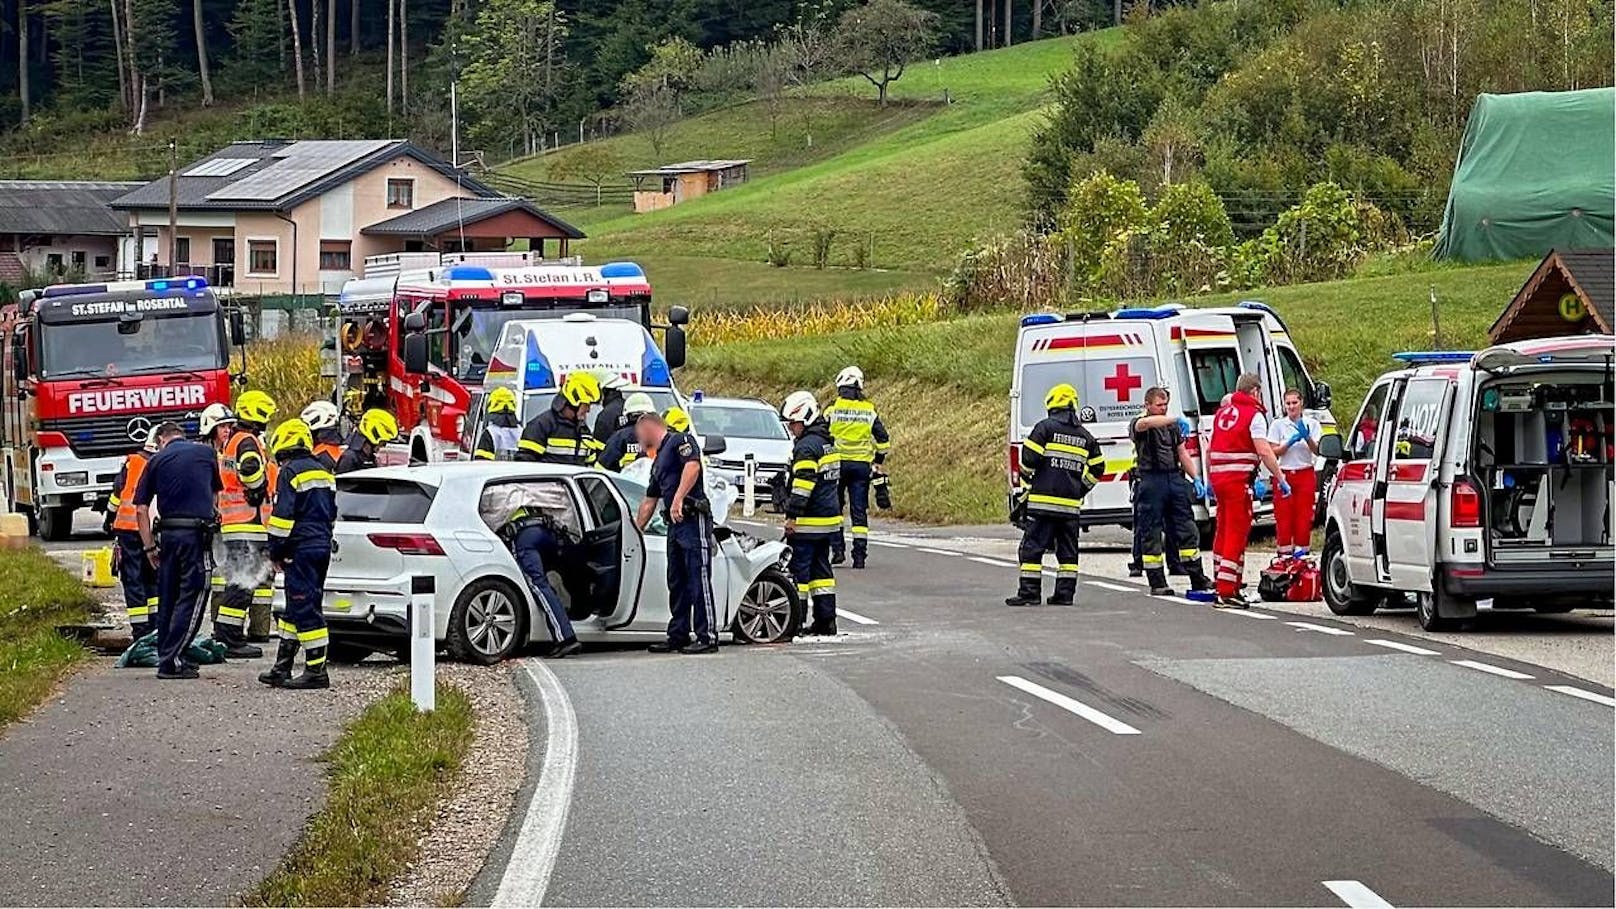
[
  {"x": 124, "y": 498},
  {"x": 239, "y": 520}
]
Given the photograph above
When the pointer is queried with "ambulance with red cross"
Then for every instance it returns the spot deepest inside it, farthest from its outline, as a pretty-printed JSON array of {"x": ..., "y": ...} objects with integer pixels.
[{"x": 1111, "y": 358}]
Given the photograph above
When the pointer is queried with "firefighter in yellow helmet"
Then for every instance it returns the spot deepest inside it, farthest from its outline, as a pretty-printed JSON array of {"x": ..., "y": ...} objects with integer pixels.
[
  {"x": 376, "y": 428},
  {"x": 1060, "y": 463},
  {"x": 561, "y": 434},
  {"x": 862, "y": 441},
  {"x": 242, "y": 581},
  {"x": 502, "y": 430},
  {"x": 300, "y": 528}
]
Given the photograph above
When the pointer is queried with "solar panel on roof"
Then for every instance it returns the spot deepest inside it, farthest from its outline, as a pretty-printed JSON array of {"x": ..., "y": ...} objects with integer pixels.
[
  {"x": 219, "y": 167},
  {"x": 298, "y": 165}
]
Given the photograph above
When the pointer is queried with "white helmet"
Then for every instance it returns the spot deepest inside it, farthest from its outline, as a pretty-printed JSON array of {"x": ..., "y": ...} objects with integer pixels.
[
  {"x": 610, "y": 380},
  {"x": 638, "y": 403},
  {"x": 212, "y": 416},
  {"x": 151, "y": 439},
  {"x": 800, "y": 407},
  {"x": 852, "y": 376},
  {"x": 320, "y": 415}
]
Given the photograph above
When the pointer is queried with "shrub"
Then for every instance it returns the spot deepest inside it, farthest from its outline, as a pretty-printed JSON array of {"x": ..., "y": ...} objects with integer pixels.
[
  {"x": 1099, "y": 208},
  {"x": 1026, "y": 269},
  {"x": 1320, "y": 239}
]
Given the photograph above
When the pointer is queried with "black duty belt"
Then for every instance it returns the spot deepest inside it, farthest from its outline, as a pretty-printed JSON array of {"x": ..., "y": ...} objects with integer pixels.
[{"x": 169, "y": 523}]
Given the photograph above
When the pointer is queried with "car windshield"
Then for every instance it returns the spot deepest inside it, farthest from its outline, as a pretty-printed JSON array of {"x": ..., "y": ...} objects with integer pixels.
[
  {"x": 174, "y": 343},
  {"x": 739, "y": 422}
]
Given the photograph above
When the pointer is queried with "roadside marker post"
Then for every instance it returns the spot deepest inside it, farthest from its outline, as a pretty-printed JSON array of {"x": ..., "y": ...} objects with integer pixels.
[
  {"x": 749, "y": 487},
  {"x": 423, "y": 644}
]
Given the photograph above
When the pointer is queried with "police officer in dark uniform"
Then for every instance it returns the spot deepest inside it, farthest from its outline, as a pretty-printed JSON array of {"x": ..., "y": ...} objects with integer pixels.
[
  {"x": 813, "y": 507},
  {"x": 300, "y": 527},
  {"x": 623, "y": 446},
  {"x": 1060, "y": 463},
  {"x": 677, "y": 483},
  {"x": 1161, "y": 505},
  {"x": 183, "y": 480},
  {"x": 561, "y": 434}
]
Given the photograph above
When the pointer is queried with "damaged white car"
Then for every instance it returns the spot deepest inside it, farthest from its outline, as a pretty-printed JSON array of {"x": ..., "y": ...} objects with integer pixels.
[{"x": 399, "y": 524}]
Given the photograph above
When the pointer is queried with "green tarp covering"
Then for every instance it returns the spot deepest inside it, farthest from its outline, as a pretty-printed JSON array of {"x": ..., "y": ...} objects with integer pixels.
[{"x": 1536, "y": 171}]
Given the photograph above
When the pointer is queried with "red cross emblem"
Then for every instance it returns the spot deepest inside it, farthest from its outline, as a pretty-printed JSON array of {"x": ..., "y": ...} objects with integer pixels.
[{"x": 1123, "y": 382}]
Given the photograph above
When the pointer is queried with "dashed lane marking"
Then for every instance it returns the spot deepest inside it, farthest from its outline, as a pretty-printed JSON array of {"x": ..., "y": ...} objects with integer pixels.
[
  {"x": 942, "y": 552},
  {"x": 1491, "y": 669},
  {"x": 1109, "y": 724},
  {"x": 1585, "y": 695},
  {"x": 996, "y": 563},
  {"x": 1106, "y": 585},
  {"x": 1242, "y": 613},
  {"x": 889, "y": 545},
  {"x": 1406, "y": 648},
  {"x": 527, "y": 873},
  {"x": 1321, "y": 629},
  {"x": 855, "y": 617},
  {"x": 1356, "y": 895}
]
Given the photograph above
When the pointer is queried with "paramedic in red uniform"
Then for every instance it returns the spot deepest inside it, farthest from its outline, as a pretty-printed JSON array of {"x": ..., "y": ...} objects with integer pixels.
[
  {"x": 1295, "y": 440},
  {"x": 1239, "y": 444}
]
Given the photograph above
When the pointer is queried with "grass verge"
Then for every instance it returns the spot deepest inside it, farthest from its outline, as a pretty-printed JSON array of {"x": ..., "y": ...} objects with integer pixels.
[
  {"x": 36, "y": 595},
  {"x": 387, "y": 772}
]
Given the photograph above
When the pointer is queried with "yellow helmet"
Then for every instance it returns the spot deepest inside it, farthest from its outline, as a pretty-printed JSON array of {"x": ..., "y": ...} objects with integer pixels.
[
  {"x": 581, "y": 388},
  {"x": 290, "y": 436},
  {"x": 1060, "y": 397},
  {"x": 378, "y": 426},
  {"x": 255, "y": 406},
  {"x": 502, "y": 400},
  {"x": 677, "y": 419}
]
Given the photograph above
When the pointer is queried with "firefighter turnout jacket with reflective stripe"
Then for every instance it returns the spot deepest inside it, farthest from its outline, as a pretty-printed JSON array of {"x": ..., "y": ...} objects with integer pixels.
[
  {"x": 328, "y": 448},
  {"x": 122, "y": 501},
  {"x": 556, "y": 439},
  {"x": 857, "y": 430},
  {"x": 305, "y": 507},
  {"x": 245, "y": 472},
  {"x": 1230, "y": 453},
  {"x": 816, "y": 478},
  {"x": 622, "y": 449},
  {"x": 1060, "y": 463}
]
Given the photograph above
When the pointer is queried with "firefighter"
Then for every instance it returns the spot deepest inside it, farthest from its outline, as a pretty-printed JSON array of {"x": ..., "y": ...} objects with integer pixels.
[
  {"x": 182, "y": 479},
  {"x": 501, "y": 432},
  {"x": 1239, "y": 443},
  {"x": 300, "y": 543},
  {"x": 678, "y": 486},
  {"x": 677, "y": 419},
  {"x": 623, "y": 448},
  {"x": 376, "y": 428},
  {"x": 862, "y": 442},
  {"x": 241, "y": 584},
  {"x": 1295, "y": 440},
  {"x": 610, "y": 413},
  {"x": 813, "y": 507},
  {"x": 1161, "y": 505},
  {"x": 560, "y": 435},
  {"x": 322, "y": 418},
  {"x": 135, "y": 571},
  {"x": 1060, "y": 463}
]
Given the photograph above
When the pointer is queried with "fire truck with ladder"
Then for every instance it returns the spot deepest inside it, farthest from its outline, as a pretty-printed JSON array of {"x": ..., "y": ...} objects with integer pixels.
[
  {"x": 416, "y": 334},
  {"x": 89, "y": 370}
]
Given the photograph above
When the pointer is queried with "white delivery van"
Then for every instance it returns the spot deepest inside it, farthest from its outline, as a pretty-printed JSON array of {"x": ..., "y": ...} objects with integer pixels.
[
  {"x": 1469, "y": 476},
  {"x": 1111, "y": 358}
]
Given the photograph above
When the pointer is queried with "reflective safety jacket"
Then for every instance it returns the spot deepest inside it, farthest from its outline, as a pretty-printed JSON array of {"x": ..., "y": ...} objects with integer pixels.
[
  {"x": 358, "y": 454},
  {"x": 1060, "y": 463},
  {"x": 497, "y": 439},
  {"x": 122, "y": 501},
  {"x": 1230, "y": 453},
  {"x": 305, "y": 506},
  {"x": 621, "y": 450},
  {"x": 814, "y": 501},
  {"x": 328, "y": 448},
  {"x": 246, "y": 477},
  {"x": 555, "y": 439},
  {"x": 857, "y": 430}
]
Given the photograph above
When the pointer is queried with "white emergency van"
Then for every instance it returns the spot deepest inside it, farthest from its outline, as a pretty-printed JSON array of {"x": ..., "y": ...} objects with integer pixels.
[
  {"x": 1111, "y": 358},
  {"x": 1473, "y": 476}
]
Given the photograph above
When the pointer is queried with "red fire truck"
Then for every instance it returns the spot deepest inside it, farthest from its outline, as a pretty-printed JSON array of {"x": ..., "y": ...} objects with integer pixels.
[
  {"x": 416, "y": 334},
  {"x": 89, "y": 369}
]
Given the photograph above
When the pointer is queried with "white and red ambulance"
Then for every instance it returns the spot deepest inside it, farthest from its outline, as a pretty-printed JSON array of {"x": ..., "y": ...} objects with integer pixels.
[{"x": 1111, "y": 358}]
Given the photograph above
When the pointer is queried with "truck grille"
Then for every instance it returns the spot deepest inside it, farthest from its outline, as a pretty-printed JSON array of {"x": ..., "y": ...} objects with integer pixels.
[{"x": 100, "y": 437}]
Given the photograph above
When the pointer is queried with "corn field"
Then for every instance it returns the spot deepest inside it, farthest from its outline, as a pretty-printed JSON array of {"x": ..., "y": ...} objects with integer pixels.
[
  {"x": 289, "y": 369},
  {"x": 713, "y": 327}
]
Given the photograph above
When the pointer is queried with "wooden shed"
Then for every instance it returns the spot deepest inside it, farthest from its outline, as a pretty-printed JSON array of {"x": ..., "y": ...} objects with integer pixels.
[
  {"x": 662, "y": 187},
  {"x": 1571, "y": 292}
]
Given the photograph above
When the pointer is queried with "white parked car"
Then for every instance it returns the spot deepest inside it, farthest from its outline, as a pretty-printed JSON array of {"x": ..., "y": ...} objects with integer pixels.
[
  {"x": 749, "y": 427},
  {"x": 400, "y": 523}
]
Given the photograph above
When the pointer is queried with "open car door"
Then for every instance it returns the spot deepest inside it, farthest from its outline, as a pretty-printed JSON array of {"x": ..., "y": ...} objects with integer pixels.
[
  {"x": 1410, "y": 504},
  {"x": 610, "y": 560}
]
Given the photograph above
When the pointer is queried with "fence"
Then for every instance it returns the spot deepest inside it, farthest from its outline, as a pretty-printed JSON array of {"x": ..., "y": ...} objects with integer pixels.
[{"x": 563, "y": 195}]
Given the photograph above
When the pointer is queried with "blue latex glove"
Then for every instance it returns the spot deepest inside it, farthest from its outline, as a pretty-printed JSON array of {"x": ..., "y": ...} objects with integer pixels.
[
  {"x": 1201, "y": 489},
  {"x": 1260, "y": 488},
  {"x": 1299, "y": 438},
  {"x": 1302, "y": 431},
  {"x": 1284, "y": 488},
  {"x": 1185, "y": 427}
]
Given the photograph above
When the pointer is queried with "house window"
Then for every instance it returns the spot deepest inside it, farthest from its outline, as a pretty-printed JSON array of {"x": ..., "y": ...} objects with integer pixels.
[
  {"x": 77, "y": 258},
  {"x": 336, "y": 255},
  {"x": 261, "y": 259},
  {"x": 103, "y": 262},
  {"x": 53, "y": 263},
  {"x": 182, "y": 250},
  {"x": 400, "y": 193}
]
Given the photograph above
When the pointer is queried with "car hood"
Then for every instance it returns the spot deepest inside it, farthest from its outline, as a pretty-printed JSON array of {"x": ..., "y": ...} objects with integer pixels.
[{"x": 766, "y": 451}]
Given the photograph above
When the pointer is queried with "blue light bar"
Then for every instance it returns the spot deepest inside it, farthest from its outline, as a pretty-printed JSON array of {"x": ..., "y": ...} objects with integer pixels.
[
  {"x": 468, "y": 273},
  {"x": 1257, "y": 305},
  {"x": 539, "y": 374},
  {"x": 1042, "y": 318},
  {"x": 621, "y": 270},
  {"x": 1156, "y": 312},
  {"x": 1418, "y": 357},
  {"x": 654, "y": 371}
]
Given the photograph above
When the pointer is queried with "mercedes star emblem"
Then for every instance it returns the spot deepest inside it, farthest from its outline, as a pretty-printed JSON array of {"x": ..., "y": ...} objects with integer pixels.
[{"x": 138, "y": 428}]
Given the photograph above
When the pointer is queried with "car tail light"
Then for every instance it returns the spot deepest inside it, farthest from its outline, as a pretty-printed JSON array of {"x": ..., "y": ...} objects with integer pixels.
[
  {"x": 1464, "y": 506},
  {"x": 408, "y": 543},
  {"x": 1015, "y": 464}
]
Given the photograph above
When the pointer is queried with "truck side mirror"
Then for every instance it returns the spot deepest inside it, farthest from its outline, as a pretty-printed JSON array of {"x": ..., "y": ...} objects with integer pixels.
[
  {"x": 1321, "y": 395},
  {"x": 415, "y": 354},
  {"x": 713, "y": 444},
  {"x": 414, "y": 322},
  {"x": 673, "y": 344},
  {"x": 678, "y": 315},
  {"x": 238, "y": 328},
  {"x": 19, "y": 358},
  {"x": 1330, "y": 446}
]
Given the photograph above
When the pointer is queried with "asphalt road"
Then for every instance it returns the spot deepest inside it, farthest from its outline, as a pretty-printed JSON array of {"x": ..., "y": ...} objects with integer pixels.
[{"x": 1128, "y": 750}]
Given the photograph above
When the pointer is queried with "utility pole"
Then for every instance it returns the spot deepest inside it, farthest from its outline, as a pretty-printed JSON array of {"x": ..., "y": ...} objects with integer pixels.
[
  {"x": 454, "y": 123},
  {"x": 978, "y": 25},
  {"x": 1009, "y": 11},
  {"x": 173, "y": 202}
]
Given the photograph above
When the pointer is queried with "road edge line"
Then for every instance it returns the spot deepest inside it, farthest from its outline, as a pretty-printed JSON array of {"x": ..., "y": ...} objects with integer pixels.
[
  {"x": 533, "y": 856},
  {"x": 1357, "y": 895}
]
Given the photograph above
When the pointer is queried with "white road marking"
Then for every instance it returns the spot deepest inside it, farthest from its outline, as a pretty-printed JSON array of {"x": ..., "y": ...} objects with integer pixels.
[
  {"x": 1065, "y": 703},
  {"x": 1356, "y": 895},
  {"x": 1489, "y": 668},
  {"x": 1106, "y": 585},
  {"x": 1243, "y": 613},
  {"x": 855, "y": 617},
  {"x": 996, "y": 563},
  {"x": 1406, "y": 648},
  {"x": 945, "y": 552},
  {"x": 1183, "y": 601},
  {"x": 1585, "y": 695},
  {"x": 527, "y": 873},
  {"x": 1321, "y": 629},
  {"x": 889, "y": 545}
]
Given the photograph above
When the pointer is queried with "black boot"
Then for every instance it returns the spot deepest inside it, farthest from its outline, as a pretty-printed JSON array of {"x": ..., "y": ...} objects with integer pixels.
[
  {"x": 1199, "y": 581},
  {"x": 1028, "y": 593},
  {"x": 1158, "y": 583},
  {"x": 280, "y": 673},
  {"x": 313, "y": 671},
  {"x": 236, "y": 646}
]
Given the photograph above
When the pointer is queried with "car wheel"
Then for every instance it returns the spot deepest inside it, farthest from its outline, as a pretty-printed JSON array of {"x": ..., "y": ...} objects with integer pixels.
[
  {"x": 487, "y": 623},
  {"x": 768, "y": 612},
  {"x": 55, "y": 523},
  {"x": 1429, "y": 608},
  {"x": 1340, "y": 594}
]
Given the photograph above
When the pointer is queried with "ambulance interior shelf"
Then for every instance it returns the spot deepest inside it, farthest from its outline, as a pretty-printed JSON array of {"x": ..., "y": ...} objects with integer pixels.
[{"x": 1545, "y": 451}]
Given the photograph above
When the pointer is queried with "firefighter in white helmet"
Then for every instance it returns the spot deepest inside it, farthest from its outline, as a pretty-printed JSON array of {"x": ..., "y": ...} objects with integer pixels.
[{"x": 813, "y": 507}]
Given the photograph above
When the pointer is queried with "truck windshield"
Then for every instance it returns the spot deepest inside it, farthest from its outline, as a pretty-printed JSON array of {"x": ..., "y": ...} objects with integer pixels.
[
  {"x": 481, "y": 334},
  {"x": 174, "y": 343}
]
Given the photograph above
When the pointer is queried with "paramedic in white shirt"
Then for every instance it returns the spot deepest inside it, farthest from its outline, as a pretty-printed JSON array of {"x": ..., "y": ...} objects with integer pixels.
[{"x": 1295, "y": 437}]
